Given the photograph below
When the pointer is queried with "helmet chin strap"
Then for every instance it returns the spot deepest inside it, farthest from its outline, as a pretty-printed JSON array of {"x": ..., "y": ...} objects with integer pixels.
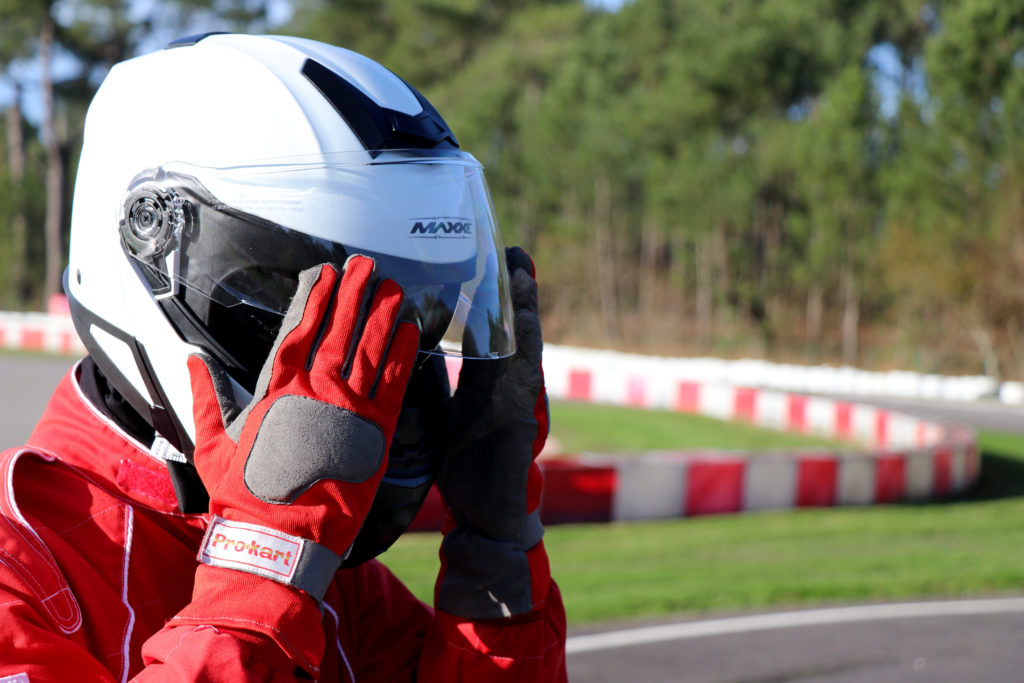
[{"x": 188, "y": 487}]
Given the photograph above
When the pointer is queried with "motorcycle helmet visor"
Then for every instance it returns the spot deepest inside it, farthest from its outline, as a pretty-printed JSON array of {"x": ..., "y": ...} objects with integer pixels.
[{"x": 226, "y": 245}]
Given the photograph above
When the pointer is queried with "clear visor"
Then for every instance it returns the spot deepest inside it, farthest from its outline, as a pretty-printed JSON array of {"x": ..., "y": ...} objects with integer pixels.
[{"x": 229, "y": 243}]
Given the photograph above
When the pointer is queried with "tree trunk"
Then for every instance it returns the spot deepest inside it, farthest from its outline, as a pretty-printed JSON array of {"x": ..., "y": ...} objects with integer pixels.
[
  {"x": 1014, "y": 330},
  {"x": 983, "y": 341},
  {"x": 606, "y": 273},
  {"x": 676, "y": 298},
  {"x": 851, "y": 316},
  {"x": 526, "y": 225},
  {"x": 19, "y": 229},
  {"x": 650, "y": 241},
  {"x": 721, "y": 284},
  {"x": 54, "y": 169},
  {"x": 815, "y": 310},
  {"x": 704, "y": 289}
]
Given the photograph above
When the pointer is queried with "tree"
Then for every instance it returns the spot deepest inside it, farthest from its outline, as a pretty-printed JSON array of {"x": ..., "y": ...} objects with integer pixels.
[
  {"x": 956, "y": 187},
  {"x": 95, "y": 34}
]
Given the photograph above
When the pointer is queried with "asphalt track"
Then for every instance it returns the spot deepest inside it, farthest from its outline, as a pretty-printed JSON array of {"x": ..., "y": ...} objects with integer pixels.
[{"x": 958, "y": 641}]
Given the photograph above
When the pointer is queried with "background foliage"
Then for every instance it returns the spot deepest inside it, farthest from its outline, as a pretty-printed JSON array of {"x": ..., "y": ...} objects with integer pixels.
[{"x": 819, "y": 181}]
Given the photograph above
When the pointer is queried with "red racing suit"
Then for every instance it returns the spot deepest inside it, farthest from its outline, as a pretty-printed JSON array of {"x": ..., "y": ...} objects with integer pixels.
[{"x": 97, "y": 565}]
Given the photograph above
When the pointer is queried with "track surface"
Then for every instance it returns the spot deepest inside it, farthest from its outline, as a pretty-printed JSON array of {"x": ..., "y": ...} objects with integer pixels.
[
  {"x": 26, "y": 383},
  {"x": 987, "y": 414},
  {"x": 905, "y": 643},
  {"x": 975, "y": 648}
]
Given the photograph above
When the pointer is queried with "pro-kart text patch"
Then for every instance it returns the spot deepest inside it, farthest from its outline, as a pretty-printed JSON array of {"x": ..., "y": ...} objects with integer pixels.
[{"x": 251, "y": 548}]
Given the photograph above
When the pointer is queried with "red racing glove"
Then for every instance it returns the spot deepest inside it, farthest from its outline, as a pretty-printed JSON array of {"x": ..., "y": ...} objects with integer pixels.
[
  {"x": 492, "y": 565},
  {"x": 292, "y": 476}
]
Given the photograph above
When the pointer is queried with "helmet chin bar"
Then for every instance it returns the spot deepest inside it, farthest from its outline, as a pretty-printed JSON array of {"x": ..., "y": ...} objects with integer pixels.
[{"x": 188, "y": 487}]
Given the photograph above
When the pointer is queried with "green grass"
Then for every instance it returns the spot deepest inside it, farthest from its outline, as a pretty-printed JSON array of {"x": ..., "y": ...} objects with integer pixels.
[
  {"x": 973, "y": 546},
  {"x": 585, "y": 427},
  {"x": 789, "y": 558}
]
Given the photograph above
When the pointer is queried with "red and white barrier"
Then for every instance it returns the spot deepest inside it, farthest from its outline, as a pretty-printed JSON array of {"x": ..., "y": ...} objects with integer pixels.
[
  {"x": 665, "y": 384},
  {"x": 657, "y": 485},
  {"x": 39, "y": 332},
  {"x": 907, "y": 458}
]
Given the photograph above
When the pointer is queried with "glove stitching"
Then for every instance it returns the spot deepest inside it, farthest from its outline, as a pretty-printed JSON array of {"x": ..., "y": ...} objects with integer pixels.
[
  {"x": 359, "y": 325},
  {"x": 325, "y": 322},
  {"x": 384, "y": 362}
]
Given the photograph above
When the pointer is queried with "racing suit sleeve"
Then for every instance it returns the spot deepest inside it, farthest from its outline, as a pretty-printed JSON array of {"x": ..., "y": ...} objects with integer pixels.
[
  {"x": 527, "y": 647},
  {"x": 279, "y": 635},
  {"x": 396, "y": 638},
  {"x": 387, "y": 634}
]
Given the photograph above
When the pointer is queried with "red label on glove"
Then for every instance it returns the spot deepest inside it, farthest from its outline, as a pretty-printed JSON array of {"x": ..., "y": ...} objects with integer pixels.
[{"x": 251, "y": 548}]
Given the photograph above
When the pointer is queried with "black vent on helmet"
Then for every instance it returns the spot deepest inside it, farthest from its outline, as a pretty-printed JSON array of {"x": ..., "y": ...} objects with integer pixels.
[
  {"x": 377, "y": 127},
  {"x": 188, "y": 41}
]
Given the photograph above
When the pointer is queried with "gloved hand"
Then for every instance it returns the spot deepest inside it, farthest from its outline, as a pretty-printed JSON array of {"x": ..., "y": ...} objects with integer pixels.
[
  {"x": 489, "y": 480},
  {"x": 292, "y": 476}
]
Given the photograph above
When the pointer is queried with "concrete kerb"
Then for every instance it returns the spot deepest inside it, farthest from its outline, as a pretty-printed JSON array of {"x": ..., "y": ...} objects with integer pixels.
[{"x": 904, "y": 458}]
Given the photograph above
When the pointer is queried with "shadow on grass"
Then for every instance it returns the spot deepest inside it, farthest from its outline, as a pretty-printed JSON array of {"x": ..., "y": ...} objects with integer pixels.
[{"x": 1002, "y": 476}]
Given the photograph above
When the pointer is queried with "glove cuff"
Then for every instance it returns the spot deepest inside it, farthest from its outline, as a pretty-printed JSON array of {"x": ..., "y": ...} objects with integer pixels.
[
  {"x": 485, "y": 578},
  {"x": 290, "y": 560}
]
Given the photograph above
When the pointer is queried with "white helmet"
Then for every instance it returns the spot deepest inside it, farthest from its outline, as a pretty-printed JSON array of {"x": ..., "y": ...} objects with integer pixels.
[{"x": 215, "y": 170}]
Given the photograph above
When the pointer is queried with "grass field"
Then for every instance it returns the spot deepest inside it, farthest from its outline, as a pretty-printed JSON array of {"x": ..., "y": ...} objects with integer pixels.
[
  {"x": 972, "y": 546},
  {"x": 587, "y": 427}
]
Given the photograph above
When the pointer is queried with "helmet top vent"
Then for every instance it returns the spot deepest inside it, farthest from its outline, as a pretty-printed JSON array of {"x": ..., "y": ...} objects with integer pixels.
[{"x": 377, "y": 127}]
